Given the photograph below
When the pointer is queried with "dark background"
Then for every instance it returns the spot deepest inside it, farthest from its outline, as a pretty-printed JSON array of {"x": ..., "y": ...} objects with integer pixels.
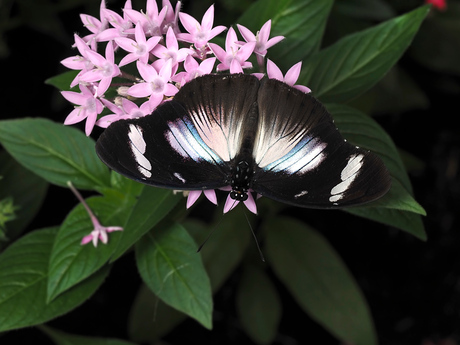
[{"x": 412, "y": 287}]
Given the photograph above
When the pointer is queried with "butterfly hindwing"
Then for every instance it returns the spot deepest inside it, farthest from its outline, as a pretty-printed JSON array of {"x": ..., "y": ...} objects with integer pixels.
[{"x": 301, "y": 158}]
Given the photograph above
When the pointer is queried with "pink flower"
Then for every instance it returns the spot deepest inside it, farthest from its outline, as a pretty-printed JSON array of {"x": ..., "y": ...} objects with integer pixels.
[
  {"x": 128, "y": 110},
  {"x": 234, "y": 56},
  {"x": 193, "y": 69},
  {"x": 171, "y": 52},
  {"x": 100, "y": 231},
  {"x": 122, "y": 26},
  {"x": 172, "y": 17},
  {"x": 156, "y": 84},
  {"x": 291, "y": 77},
  {"x": 82, "y": 63},
  {"x": 438, "y": 4},
  {"x": 89, "y": 108},
  {"x": 105, "y": 70},
  {"x": 94, "y": 25},
  {"x": 198, "y": 34},
  {"x": 151, "y": 21},
  {"x": 193, "y": 196},
  {"x": 138, "y": 49},
  {"x": 261, "y": 38}
]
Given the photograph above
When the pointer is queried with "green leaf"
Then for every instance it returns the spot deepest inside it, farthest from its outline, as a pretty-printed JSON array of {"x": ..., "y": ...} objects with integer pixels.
[
  {"x": 406, "y": 221},
  {"x": 258, "y": 305},
  {"x": 170, "y": 266},
  {"x": 61, "y": 338},
  {"x": 318, "y": 280},
  {"x": 221, "y": 255},
  {"x": 301, "y": 22},
  {"x": 23, "y": 281},
  {"x": 151, "y": 207},
  {"x": 358, "y": 61},
  {"x": 55, "y": 152},
  {"x": 62, "y": 81},
  {"x": 71, "y": 262},
  {"x": 27, "y": 190}
]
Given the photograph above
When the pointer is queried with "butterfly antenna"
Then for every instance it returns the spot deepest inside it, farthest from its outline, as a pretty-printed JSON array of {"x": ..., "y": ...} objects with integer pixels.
[
  {"x": 255, "y": 237},
  {"x": 209, "y": 236}
]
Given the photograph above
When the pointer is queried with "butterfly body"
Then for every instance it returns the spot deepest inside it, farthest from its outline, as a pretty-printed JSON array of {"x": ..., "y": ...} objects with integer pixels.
[{"x": 234, "y": 130}]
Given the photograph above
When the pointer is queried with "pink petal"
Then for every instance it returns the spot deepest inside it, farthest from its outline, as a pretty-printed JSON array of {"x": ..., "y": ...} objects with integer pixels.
[
  {"x": 208, "y": 19},
  {"x": 146, "y": 71},
  {"x": 193, "y": 196},
  {"x": 272, "y": 41},
  {"x": 126, "y": 43},
  {"x": 74, "y": 97},
  {"x": 251, "y": 204},
  {"x": 87, "y": 239},
  {"x": 246, "y": 50},
  {"x": 190, "y": 24},
  {"x": 140, "y": 90},
  {"x": 139, "y": 34},
  {"x": 273, "y": 71},
  {"x": 218, "y": 51},
  {"x": 264, "y": 32},
  {"x": 211, "y": 195},
  {"x": 75, "y": 116},
  {"x": 235, "y": 67},
  {"x": 293, "y": 74},
  {"x": 302, "y": 88},
  {"x": 230, "y": 40},
  {"x": 171, "y": 40},
  {"x": 246, "y": 33},
  {"x": 230, "y": 204}
]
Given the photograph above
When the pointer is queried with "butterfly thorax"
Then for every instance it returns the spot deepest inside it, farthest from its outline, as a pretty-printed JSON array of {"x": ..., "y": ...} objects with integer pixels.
[{"x": 240, "y": 181}]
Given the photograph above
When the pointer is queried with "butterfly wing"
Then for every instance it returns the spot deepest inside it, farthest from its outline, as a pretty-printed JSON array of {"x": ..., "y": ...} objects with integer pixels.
[
  {"x": 188, "y": 142},
  {"x": 301, "y": 158}
]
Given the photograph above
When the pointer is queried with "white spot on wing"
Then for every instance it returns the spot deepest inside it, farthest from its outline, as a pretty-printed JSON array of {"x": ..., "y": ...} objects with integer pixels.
[
  {"x": 138, "y": 147},
  {"x": 179, "y": 176},
  {"x": 302, "y": 193},
  {"x": 347, "y": 176}
]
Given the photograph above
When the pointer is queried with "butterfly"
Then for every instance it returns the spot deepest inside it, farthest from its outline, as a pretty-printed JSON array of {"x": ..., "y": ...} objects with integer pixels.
[{"x": 260, "y": 136}]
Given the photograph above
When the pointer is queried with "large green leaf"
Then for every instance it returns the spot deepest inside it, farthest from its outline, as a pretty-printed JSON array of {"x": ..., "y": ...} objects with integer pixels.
[
  {"x": 71, "y": 262},
  {"x": 170, "y": 266},
  {"x": 358, "y": 61},
  {"x": 318, "y": 280},
  {"x": 221, "y": 255},
  {"x": 301, "y": 22},
  {"x": 23, "y": 283},
  {"x": 55, "y": 152},
  {"x": 151, "y": 207},
  {"x": 27, "y": 190},
  {"x": 258, "y": 305}
]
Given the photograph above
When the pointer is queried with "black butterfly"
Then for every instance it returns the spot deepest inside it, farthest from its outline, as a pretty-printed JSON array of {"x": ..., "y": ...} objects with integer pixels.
[{"x": 264, "y": 136}]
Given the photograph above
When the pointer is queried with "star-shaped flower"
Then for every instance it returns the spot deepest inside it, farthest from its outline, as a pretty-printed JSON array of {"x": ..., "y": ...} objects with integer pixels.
[
  {"x": 105, "y": 69},
  {"x": 151, "y": 21},
  {"x": 193, "y": 69},
  {"x": 171, "y": 52},
  {"x": 89, "y": 107},
  {"x": 234, "y": 56},
  {"x": 127, "y": 110},
  {"x": 138, "y": 49},
  {"x": 199, "y": 34},
  {"x": 100, "y": 231},
  {"x": 94, "y": 25},
  {"x": 156, "y": 84},
  {"x": 261, "y": 38}
]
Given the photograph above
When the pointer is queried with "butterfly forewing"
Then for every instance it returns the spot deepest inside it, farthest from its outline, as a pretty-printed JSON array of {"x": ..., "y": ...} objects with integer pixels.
[
  {"x": 301, "y": 158},
  {"x": 188, "y": 142}
]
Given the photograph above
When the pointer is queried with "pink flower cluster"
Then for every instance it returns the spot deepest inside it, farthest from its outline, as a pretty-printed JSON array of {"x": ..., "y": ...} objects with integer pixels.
[
  {"x": 160, "y": 59},
  {"x": 164, "y": 59}
]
